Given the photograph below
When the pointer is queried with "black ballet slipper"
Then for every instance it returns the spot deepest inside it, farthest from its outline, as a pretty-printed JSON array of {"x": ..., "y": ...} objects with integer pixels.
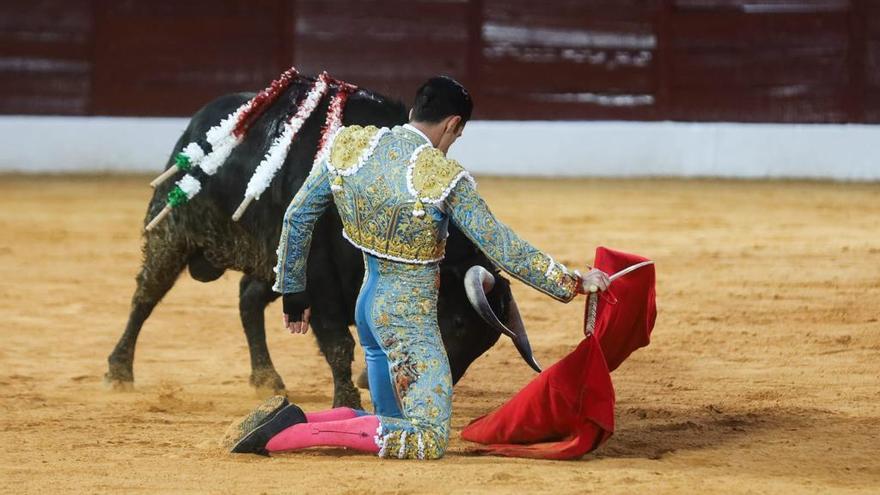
[
  {"x": 255, "y": 441},
  {"x": 259, "y": 416}
]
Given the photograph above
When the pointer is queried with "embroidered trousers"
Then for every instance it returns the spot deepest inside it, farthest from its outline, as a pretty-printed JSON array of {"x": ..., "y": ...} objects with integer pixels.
[{"x": 410, "y": 380}]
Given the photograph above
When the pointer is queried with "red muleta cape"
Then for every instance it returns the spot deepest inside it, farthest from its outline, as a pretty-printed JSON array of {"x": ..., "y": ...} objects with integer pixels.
[{"x": 568, "y": 410}]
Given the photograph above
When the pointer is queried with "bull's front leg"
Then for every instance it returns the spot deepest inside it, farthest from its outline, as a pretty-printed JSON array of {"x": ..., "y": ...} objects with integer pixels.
[
  {"x": 164, "y": 258},
  {"x": 337, "y": 345},
  {"x": 254, "y": 295}
]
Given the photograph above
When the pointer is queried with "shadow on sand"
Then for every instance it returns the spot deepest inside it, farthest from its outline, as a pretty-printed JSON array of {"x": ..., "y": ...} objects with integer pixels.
[{"x": 649, "y": 433}]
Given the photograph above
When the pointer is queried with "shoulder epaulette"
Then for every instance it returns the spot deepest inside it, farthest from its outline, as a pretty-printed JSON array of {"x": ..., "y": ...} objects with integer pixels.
[
  {"x": 431, "y": 176},
  {"x": 351, "y": 147}
]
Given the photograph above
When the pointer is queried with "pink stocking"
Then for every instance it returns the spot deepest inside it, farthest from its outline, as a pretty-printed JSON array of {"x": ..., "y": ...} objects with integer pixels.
[
  {"x": 356, "y": 433},
  {"x": 336, "y": 414}
]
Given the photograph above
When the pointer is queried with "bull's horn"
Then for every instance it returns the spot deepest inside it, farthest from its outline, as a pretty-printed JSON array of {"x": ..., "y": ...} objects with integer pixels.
[
  {"x": 515, "y": 322},
  {"x": 478, "y": 281}
]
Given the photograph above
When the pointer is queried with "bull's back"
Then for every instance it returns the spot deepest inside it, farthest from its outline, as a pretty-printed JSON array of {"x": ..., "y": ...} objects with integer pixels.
[{"x": 205, "y": 223}]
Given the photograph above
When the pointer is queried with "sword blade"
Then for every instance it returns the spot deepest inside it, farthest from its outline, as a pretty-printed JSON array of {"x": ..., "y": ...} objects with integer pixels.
[{"x": 629, "y": 269}]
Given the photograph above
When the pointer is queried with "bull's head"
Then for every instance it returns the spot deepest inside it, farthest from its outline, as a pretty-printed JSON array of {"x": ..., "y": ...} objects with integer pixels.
[
  {"x": 468, "y": 329},
  {"x": 466, "y": 335},
  {"x": 477, "y": 283}
]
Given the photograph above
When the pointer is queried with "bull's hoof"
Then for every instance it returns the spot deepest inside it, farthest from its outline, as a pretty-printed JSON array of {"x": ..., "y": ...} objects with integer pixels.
[
  {"x": 119, "y": 377},
  {"x": 363, "y": 381},
  {"x": 117, "y": 384},
  {"x": 267, "y": 382},
  {"x": 347, "y": 396}
]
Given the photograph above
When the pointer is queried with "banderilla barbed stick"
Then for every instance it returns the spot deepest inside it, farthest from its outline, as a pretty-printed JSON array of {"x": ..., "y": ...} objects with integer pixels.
[
  {"x": 242, "y": 207},
  {"x": 165, "y": 176},
  {"x": 158, "y": 218}
]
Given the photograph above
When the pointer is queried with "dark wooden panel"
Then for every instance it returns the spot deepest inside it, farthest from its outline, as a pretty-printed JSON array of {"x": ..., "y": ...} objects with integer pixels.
[
  {"x": 169, "y": 58},
  {"x": 383, "y": 58},
  {"x": 872, "y": 16},
  {"x": 776, "y": 64},
  {"x": 561, "y": 77},
  {"x": 572, "y": 13},
  {"x": 38, "y": 94},
  {"x": 735, "y": 66},
  {"x": 872, "y": 62},
  {"x": 49, "y": 21},
  {"x": 380, "y": 16},
  {"x": 796, "y": 103},
  {"x": 713, "y": 29},
  {"x": 162, "y": 10},
  {"x": 386, "y": 46},
  {"x": 740, "y": 60},
  {"x": 582, "y": 60},
  {"x": 872, "y": 106},
  {"x": 872, "y": 33},
  {"x": 45, "y": 57},
  {"x": 43, "y": 45},
  {"x": 765, "y": 6},
  {"x": 569, "y": 107}
]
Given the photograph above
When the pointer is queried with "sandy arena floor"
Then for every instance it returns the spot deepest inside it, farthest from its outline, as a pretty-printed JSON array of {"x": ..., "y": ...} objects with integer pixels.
[{"x": 763, "y": 375}]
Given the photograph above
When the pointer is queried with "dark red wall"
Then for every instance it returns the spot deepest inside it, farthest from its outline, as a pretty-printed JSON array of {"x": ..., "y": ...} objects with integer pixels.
[{"x": 692, "y": 60}]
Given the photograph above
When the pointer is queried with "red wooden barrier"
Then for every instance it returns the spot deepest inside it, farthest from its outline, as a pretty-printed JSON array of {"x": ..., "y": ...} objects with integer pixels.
[{"x": 692, "y": 60}]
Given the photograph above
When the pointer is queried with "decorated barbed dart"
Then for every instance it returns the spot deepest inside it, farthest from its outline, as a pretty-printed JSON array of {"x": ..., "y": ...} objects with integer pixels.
[
  {"x": 277, "y": 153},
  {"x": 180, "y": 194},
  {"x": 235, "y": 125},
  {"x": 223, "y": 138}
]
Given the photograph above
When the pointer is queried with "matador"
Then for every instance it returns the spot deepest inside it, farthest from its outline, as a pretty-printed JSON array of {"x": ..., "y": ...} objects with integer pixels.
[{"x": 396, "y": 192}]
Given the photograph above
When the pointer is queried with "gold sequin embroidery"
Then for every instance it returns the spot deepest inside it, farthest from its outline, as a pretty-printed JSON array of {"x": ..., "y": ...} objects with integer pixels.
[
  {"x": 433, "y": 175},
  {"x": 349, "y": 145}
]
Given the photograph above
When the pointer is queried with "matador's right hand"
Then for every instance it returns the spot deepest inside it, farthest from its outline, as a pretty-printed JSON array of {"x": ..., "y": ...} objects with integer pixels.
[
  {"x": 595, "y": 280},
  {"x": 296, "y": 312}
]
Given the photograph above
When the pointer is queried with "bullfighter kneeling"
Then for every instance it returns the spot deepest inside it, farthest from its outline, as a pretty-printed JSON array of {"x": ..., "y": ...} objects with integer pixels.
[{"x": 396, "y": 192}]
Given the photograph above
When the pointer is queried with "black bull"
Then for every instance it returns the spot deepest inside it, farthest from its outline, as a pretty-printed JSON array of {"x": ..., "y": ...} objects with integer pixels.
[{"x": 202, "y": 237}]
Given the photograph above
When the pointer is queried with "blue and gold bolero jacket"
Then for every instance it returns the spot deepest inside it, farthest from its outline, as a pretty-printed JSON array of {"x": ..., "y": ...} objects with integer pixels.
[{"x": 396, "y": 195}]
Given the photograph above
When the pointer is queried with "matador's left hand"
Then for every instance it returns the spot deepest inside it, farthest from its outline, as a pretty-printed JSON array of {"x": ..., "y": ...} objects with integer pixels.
[{"x": 296, "y": 312}]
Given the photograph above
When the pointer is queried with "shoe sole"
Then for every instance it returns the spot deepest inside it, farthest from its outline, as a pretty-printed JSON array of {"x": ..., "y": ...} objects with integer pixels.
[
  {"x": 289, "y": 416},
  {"x": 259, "y": 416}
]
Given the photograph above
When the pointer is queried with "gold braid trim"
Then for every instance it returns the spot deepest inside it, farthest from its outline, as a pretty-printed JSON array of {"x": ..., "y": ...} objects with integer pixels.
[{"x": 420, "y": 251}]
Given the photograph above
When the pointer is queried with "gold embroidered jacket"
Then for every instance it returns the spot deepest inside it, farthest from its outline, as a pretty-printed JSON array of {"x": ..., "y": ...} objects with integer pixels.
[{"x": 396, "y": 194}]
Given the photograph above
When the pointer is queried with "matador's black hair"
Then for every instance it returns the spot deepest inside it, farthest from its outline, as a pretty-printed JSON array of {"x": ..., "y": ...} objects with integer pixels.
[{"x": 441, "y": 97}]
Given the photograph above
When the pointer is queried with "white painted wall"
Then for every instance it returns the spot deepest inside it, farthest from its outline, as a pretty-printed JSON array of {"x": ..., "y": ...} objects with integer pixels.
[
  {"x": 86, "y": 144},
  {"x": 521, "y": 148}
]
